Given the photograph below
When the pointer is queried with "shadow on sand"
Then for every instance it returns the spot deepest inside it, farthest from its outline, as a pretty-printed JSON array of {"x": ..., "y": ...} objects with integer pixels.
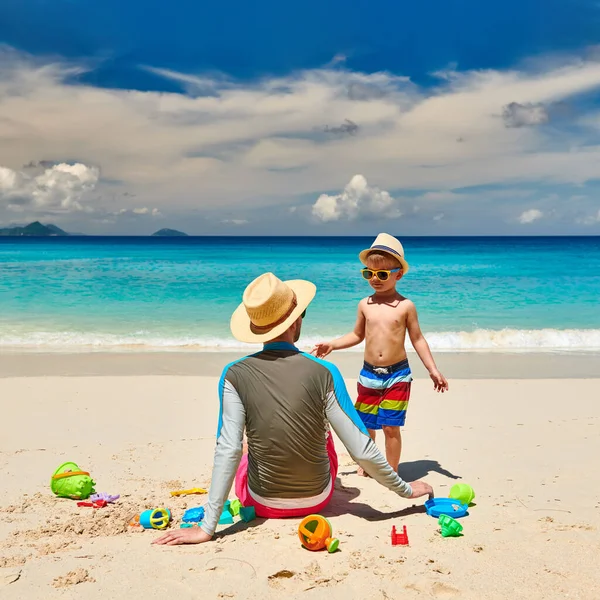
[{"x": 343, "y": 501}]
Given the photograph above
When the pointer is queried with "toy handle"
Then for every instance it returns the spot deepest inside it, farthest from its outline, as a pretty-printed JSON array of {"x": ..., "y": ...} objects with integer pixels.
[
  {"x": 69, "y": 474},
  {"x": 306, "y": 532}
]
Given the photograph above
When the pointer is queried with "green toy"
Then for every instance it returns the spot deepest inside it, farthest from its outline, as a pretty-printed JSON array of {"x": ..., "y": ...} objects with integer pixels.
[
  {"x": 450, "y": 527},
  {"x": 234, "y": 507},
  {"x": 69, "y": 481},
  {"x": 462, "y": 492}
]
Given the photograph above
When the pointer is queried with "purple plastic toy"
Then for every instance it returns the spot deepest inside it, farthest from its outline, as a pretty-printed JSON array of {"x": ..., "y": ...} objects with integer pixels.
[{"x": 104, "y": 496}]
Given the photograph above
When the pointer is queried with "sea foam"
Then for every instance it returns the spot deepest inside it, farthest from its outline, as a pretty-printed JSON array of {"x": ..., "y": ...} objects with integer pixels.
[{"x": 481, "y": 340}]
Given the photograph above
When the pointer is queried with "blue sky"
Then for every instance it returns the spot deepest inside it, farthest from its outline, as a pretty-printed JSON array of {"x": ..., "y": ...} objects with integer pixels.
[{"x": 311, "y": 118}]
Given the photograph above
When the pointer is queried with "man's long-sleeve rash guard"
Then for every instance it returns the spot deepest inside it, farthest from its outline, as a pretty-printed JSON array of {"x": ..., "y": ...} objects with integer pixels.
[{"x": 285, "y": 399}]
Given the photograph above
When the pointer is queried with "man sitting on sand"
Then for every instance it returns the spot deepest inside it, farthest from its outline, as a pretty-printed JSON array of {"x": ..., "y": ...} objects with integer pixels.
[{"x": 284, "y": 399}]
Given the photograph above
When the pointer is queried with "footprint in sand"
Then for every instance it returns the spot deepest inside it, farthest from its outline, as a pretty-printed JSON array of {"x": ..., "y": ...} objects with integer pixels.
[{"x": 443, "y": 590}]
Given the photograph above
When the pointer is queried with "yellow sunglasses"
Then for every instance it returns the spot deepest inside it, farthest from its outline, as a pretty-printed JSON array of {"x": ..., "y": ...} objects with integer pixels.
[{"x": 381, "y": 274}]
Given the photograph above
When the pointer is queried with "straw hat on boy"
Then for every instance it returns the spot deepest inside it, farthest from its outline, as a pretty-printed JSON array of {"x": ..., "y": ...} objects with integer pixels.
[
  {"x": 387, "y": 243},
  {"x": 269, "y": 307}
]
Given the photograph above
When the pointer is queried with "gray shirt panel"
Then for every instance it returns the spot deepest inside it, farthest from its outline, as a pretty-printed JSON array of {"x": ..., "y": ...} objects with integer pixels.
[{"x": 285, "y": 399}]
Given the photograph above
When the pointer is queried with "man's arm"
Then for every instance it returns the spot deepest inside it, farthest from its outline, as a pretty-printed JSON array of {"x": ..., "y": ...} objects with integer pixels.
[
  {"x": 422, "y": 348},
  {"x": 356, "y": 336},
  {"x": 347, "y": 424},
  {"x": 228, "y": 452}
]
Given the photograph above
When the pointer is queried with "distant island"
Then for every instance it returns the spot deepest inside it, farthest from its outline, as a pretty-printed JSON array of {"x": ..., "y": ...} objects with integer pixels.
[
  {"x": 35, "y": 229},
  {"x": 169, "y": 233}
]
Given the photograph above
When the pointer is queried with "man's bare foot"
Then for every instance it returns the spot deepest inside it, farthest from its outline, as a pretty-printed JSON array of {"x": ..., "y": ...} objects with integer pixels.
[{"x": 361, "y": 472}]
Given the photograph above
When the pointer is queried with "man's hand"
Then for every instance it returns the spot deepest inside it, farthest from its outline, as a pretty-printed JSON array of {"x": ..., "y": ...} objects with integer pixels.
[
  {"x": 322, "y": 350},
  {"x": 420, "y": 488},
  {"x": 191, "y": 535},
  {"x": 439, "y": 381}
]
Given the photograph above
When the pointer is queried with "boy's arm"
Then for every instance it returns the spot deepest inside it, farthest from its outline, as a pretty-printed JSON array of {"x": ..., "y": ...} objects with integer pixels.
[
  {"x": 422, "y": 348},
  {"x": 356, "y": 336}
]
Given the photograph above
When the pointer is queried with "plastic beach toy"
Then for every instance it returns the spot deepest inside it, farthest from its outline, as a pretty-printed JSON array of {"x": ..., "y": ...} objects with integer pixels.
[
  {"x": 315, "y": 533},
  {"x": 399, "y": 539},
  {"x": 247, "y": 513},
  {"x": 234, "y": 507},
  {"x": 445, "y": 506},
  {"x": 157, "y": 518},
  {"x": 189, "y": 492},
  {"x": 450, "y": 527},
  {"x": 110, "y": 498},
  {"x": 69, "y": 481},
  {"x": 226, "y": 518},
  {"x": 193, "y": 515},
  {"x": 462, "y": 492},
  {"x": 93, "y": 503}
]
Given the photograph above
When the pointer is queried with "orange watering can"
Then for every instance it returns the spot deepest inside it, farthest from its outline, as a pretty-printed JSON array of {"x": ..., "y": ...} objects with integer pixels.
[{"x": 315, "y": 533}]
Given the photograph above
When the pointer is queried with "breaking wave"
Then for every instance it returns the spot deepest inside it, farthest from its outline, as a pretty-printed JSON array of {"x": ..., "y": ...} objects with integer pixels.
[{"x": 482, "y": 340}]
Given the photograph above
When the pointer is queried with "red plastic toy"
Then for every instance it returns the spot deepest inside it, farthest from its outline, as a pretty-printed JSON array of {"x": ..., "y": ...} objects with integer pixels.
[
  {"x": 94, "y": 504},
  {"x": 399, "y": 539}
]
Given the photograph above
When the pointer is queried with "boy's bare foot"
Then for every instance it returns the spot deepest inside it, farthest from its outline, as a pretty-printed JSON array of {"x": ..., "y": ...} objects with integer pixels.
[{"x": 361, "y": 472}]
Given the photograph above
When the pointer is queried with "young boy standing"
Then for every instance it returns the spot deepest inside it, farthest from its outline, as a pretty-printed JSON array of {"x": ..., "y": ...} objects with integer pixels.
[{"x": 383, "y": 320}]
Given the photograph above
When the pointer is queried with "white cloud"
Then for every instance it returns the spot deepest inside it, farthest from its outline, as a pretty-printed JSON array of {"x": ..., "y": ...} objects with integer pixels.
[
  {"x": 154, "y": 212},
  {"x": 529, "y": 216},
  {"x": 9, "y": 180},
  {"x": 590, "y": 219},
  {"x": 337, "y": 59},
  {"x": 524, "y": 115},
  {"x": 229, "y": 144},
  {"x": 234, "y": 221},
  {"x": 139, "y": 211},
  {"x": 60, "y": 188},
  {"x": 438, "y": 217},
  {"x": 358, "y": 198}
]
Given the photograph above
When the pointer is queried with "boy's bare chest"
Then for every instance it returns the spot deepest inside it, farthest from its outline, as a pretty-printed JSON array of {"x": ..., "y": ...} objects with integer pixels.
[{"x": 382, "y": 316}]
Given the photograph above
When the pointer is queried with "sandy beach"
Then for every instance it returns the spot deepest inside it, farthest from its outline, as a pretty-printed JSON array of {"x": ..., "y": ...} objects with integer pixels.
[{"x": 144, "y": 425}]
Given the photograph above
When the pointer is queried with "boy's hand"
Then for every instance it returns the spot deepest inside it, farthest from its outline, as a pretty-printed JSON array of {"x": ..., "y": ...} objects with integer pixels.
[
  {"x": 322, "y": 350},
  {"x": 439, "y": 381},
  {"x": 420, "y": 488}
]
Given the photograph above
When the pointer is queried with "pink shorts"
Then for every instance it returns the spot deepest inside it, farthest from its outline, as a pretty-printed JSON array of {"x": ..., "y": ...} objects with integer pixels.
[{"x": 241, "y": 490}]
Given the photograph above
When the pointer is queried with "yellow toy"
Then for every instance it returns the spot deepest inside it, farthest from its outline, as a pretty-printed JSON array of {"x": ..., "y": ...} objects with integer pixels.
[
  {"x": 315, "y": 533},
  {"x": 188, "y": 492}
]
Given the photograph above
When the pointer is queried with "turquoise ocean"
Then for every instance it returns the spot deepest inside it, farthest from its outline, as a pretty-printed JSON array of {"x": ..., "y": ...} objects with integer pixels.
[{"x": 150, "y": 294}]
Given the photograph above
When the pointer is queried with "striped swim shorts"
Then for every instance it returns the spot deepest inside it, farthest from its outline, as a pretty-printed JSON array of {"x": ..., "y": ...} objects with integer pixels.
[{"x": 383, "y": 394}]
